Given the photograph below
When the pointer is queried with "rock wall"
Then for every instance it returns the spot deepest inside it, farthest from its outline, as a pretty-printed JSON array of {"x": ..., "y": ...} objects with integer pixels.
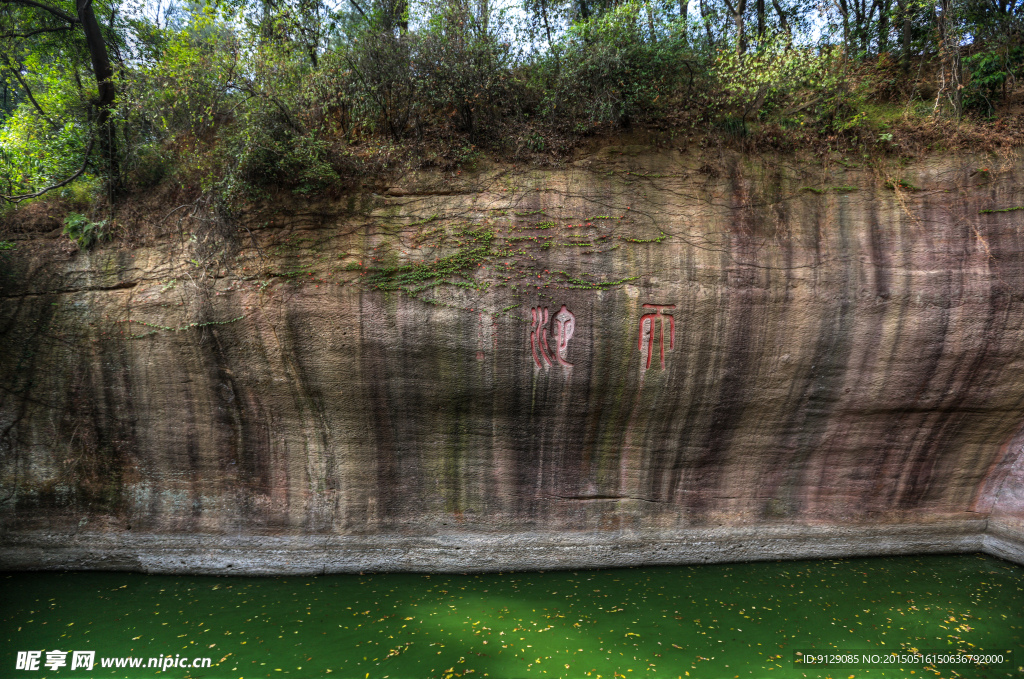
[{"x": 646, "y": 356}]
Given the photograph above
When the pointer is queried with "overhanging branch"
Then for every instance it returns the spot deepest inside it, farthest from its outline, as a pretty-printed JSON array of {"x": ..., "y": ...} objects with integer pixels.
[
  {"x": 13, "y": 69},
  {"x": 55, "y": 29},
  {"x": 60, "y": 14},
  {"x": 81, "y": 170},
  {"x": 360, "y": 9}
]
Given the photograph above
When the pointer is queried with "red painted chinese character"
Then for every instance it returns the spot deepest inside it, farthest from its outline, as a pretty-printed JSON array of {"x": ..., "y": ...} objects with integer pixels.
[
  {"x": 539, "y": 335},
  {"x": 564, "y": 326},
  {"x": 661, "y": 337}
]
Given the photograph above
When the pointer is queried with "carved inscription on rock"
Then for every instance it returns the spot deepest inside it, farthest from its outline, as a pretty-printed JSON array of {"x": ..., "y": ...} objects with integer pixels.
[
  {"x": 652, "y": 318},
  {"x": 563, "y": 325}
]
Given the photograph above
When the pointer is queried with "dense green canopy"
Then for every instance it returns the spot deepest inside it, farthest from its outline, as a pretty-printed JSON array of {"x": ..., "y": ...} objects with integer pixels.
[{"x": 226, "y": 97}]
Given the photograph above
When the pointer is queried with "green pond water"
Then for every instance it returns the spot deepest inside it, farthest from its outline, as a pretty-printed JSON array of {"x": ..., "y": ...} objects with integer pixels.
[{"x": 736, "y": 620}]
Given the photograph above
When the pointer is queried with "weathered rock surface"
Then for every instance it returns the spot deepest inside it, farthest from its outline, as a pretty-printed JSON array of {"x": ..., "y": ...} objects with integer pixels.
[{"x": 462, "y": 374}]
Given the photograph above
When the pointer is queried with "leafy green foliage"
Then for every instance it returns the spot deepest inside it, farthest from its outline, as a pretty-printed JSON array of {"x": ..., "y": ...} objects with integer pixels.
[
  {"x": 782, "y": 78},
  {"x": 990, "y": 72},
  {"x": 56, "y": 60},
  {"x": 231, "y": 98},
  {"x": 376, "y": 76},
  {"x": 82, "y": 230},
  {"x": 464, "y": 73},
  {"x": 38, "y": 149},
  {"x": 609, "y": 69},
  {"x": 245, "y": 115}
]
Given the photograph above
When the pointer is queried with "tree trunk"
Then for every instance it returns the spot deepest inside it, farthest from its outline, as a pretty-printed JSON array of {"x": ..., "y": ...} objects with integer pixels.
[
  {"x": 650, "y": 21},
  {"x": 845, "y": 11},
  {"x": 860, "y": 24},
  {"x": 741, "y": 37},
  {"x": 554, "y": 49},
  {"x": 951, "y": 69},
  {"x": 394, "y": 15},
  {"x": 547, "y": 28},
  {"x": 707, "y": 24},
  {"x": 784, "y": 22},
  {"x": 683, "y": 10},
  {"x": 901, "y": 5},
  {"x": 738, "y": 10},
  {"x": 760, "y": 23},
  {"x": 883, "y": 26},
  {"x": 98, "y": 53},
  {"x": 401, "y": 13},
  {"x": 105, "y": 86}
]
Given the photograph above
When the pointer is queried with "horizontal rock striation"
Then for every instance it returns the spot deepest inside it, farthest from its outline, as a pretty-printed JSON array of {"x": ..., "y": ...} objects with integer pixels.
[{"x": 645, "y": 357}]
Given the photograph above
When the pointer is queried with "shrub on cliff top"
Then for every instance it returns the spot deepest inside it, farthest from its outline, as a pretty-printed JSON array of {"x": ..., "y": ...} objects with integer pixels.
[
  {"x": 612, "y": 68},
  {"x": 83, "y": 230}
]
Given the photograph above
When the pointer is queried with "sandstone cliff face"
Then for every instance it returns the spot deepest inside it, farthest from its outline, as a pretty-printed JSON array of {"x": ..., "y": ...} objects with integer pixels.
[{"x": 645, "y": 357}]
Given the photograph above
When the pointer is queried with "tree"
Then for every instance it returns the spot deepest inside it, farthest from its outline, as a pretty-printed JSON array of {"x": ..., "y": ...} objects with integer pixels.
[
  {"x": 27, "y": 20},
  {"x": 738, "y": 8}
]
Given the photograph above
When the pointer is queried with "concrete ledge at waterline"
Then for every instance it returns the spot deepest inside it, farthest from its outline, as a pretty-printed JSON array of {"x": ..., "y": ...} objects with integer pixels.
[
  {"x": 315, "y": 555},
  {"x": 1005, "y": 541}
]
